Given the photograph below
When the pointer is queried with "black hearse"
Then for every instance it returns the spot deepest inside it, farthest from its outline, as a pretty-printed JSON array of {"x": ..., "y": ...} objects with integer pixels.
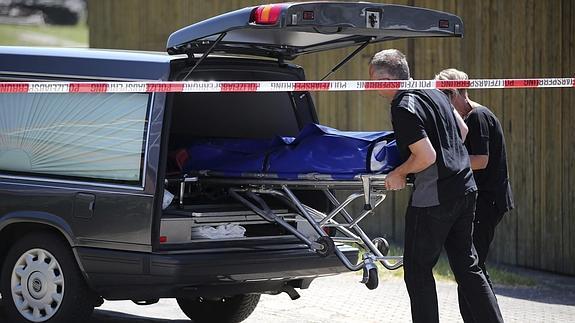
[{"x": 85, "y": 190}]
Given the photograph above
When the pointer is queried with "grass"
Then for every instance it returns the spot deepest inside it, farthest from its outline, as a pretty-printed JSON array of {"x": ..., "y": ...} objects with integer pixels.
[
  {"x": 44, "y": 35},
  {"x": 442, "y": 272}
]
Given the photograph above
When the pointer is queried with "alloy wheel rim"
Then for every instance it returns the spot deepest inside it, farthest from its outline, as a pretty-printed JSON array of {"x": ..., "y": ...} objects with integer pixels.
[{"x": 37, "y": 285}]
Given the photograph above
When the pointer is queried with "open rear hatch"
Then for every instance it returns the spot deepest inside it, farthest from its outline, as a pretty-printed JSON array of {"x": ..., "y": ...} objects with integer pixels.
[
  {"x": 283, "y": 32},
  {"x": 286, "y": 31}
]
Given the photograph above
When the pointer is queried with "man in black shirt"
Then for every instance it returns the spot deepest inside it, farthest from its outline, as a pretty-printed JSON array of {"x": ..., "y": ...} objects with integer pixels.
[
  {"x": 486, "y": 147},
  {"x": 429, "y": 135}
]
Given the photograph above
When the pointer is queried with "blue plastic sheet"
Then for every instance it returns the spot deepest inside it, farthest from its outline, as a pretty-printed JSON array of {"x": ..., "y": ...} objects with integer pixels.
[{"x": 317, "y": 149}]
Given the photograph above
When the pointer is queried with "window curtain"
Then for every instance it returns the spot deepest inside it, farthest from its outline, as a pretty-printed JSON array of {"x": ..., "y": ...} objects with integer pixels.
[{"x": 74, "y": 135}]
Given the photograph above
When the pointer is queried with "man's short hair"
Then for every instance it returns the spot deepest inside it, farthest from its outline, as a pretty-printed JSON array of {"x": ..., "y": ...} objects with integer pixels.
[
  {"x": 393, "y": 62},
  {"x": 452, "y": 74}
]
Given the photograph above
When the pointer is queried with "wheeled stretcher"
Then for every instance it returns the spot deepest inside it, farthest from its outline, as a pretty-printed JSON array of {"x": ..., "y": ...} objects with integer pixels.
[{"x": 320, "y": 159}]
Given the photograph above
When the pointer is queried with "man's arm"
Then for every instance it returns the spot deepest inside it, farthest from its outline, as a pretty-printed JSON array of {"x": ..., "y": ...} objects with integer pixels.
[
  {"x": 422, "y": 156},
  {"x": 478, "y": 141},
  {"x": 478, "y": 161},
  {"x": 461, "y": 124}
]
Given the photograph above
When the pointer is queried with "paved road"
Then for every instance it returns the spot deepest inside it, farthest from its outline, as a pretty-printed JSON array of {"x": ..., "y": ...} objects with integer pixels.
[{"x": 343, "y": 299}]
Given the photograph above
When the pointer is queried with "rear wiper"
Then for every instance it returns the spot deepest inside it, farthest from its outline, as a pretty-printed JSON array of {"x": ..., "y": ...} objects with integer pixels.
[
  {"x": 345, "y": 60},
  {"x": 208, "y": 52}
]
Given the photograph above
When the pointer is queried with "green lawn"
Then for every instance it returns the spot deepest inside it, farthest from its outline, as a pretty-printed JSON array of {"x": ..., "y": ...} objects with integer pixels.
[
  {"x": 44, "y": 35},
  {"x": 442, "y": 272}
]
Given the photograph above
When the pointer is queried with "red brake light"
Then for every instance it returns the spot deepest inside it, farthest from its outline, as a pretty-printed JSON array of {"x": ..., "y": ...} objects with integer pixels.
[
  {"x": 266, "y": 15},
  {"x": 163, "y": 239}
]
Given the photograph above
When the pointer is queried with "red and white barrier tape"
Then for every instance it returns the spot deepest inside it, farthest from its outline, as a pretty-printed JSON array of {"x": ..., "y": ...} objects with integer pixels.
[{"x": 279, "y": 86}]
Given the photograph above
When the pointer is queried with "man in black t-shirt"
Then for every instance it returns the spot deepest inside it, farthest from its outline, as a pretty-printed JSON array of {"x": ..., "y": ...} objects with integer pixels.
[
  {"x": 429, "y": 135},
  {"x": 486, "y": 147}
]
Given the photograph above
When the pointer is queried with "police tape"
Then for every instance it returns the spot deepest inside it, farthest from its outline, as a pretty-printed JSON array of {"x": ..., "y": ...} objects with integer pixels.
[{"x": 277, "y": 86}]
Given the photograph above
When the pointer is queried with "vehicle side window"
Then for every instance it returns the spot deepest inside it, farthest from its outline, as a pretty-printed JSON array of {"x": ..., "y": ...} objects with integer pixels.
[{"x": 100, "y": 137}]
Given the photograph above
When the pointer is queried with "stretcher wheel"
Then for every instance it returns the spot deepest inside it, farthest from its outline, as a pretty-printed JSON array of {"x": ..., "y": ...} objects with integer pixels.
[
  {"x": 373, "y": 279},
  {"x": 328, "y": 246},
  {"x": 382, "y": 245}
]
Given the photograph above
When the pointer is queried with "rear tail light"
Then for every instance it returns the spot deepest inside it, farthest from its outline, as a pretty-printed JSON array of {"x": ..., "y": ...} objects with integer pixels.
[{"x": 266, "y": 15}]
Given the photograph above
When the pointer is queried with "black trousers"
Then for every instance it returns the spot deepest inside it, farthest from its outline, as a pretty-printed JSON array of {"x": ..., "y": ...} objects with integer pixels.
[
  {"x": 487, "y": 216},
  {"x": 427, "y": 231}
]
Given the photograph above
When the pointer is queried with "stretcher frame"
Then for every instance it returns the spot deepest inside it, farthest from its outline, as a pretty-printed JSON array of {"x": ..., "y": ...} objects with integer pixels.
[{"x": 249, "y": 189}]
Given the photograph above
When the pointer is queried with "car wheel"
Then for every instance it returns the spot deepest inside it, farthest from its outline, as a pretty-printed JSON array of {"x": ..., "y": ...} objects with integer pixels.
[
  {"x": 226, "y": 309},
  {"x": 41, "y": 282}
]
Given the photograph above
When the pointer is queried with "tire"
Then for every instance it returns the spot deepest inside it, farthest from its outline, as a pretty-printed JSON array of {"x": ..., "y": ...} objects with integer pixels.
[
  {"x": 224, "y": 310},
  {"x": 373, "y": 280},
  {"x": 40, "y": 270},
  {"x": 328, "y": 246},
  {"x": 382, "y": 245}
]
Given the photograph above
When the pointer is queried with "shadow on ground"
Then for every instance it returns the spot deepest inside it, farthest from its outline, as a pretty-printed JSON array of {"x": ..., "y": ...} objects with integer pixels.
[
  {"x": 102, "y": 316},
  {"x": 550, "y": 289},
  {"x": 537, "y": 294}
]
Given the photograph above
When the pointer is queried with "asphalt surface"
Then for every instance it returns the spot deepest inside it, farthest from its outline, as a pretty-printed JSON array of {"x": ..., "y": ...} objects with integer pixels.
[{"x": 343, "y": 299}]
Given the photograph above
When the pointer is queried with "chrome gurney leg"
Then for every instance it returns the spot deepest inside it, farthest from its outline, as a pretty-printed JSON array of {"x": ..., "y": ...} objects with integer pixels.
[
  {"x": 339, "y": 207},
  {"x": 266, "y": 212},
  {"x": 324, "y": 245},
  {"x": 384, "y": 259},
  {"x": 318, "y": 229},
  {"x": 350, "y": 236}
]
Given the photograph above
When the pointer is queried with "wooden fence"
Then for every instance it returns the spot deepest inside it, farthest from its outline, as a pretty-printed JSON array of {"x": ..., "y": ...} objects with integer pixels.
[{"x": 503, "y": 39}]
